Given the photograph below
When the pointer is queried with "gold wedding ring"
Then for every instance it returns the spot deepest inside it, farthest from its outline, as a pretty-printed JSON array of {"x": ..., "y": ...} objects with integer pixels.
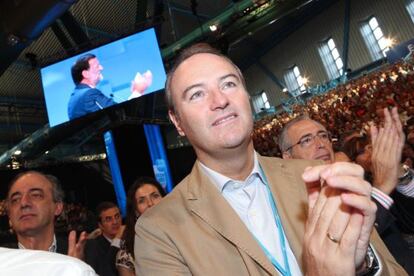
[{"x": 332, "y": 238}]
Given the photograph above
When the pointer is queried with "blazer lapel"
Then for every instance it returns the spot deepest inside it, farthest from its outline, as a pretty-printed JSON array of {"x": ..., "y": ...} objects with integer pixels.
[
  {"x": 289, "y": 193},
  {"x": 206, "y": 202}
]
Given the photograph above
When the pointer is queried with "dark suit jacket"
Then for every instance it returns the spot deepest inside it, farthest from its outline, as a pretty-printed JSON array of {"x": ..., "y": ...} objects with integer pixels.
[
  {"x": 100, "y": 255},
  {"x": 386, "y": 225},
  {"x": 85, "y": 99},
  {"x": 194, "y": 230}
]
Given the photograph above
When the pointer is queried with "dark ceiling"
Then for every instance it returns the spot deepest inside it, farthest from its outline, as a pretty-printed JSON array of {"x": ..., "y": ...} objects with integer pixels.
[{"x": 36, "y": 33}]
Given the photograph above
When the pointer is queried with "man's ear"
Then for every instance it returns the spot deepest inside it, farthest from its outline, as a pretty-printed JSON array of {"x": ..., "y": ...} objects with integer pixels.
[
  {"x": 85, "y": 74},
  {"x": 286, "y": 155},
  {"x": 176, "y": 121},
  {"x": 58, "y": 208}
]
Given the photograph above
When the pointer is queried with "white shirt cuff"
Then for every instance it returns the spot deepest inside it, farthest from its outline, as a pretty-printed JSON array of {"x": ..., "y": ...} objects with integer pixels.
[{"x": 385, "y": 200}]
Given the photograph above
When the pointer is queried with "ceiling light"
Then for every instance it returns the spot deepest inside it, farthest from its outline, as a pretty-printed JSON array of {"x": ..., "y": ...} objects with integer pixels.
[
  {"x": 213, "y": 28},
  {"x": 17, "y": 152}
]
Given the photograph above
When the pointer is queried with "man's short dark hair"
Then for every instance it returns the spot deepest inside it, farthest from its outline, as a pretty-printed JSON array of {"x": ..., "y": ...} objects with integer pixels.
[
  {"x": 103, "y": 206},
  {"x": 58, "y": 194},
  {"x": 81, "y": 64},
  {"x": 199, "y": 48}
]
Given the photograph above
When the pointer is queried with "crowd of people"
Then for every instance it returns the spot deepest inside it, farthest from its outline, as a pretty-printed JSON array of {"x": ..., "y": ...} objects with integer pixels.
[{"x": 350, "y": 108}]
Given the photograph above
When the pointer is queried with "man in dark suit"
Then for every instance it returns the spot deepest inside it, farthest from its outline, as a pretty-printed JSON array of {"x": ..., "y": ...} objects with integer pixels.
[
  {"x": 86, "y": 98},
  {"x": 100, "y": 252},
  {"x": 34, "y": 200}
]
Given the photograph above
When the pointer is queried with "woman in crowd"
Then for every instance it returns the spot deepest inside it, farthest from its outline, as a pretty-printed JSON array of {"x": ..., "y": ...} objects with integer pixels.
[{"x": 142, "y": 195}]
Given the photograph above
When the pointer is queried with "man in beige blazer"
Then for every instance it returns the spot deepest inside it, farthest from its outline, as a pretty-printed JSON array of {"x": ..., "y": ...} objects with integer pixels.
[{"x": 322, "y": 215}]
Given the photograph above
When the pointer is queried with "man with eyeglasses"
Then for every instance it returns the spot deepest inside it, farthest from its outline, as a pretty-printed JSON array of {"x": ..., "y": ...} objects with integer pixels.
[
  {"x": 304, "y": 138},
  {"x": 100, "y": 253}
]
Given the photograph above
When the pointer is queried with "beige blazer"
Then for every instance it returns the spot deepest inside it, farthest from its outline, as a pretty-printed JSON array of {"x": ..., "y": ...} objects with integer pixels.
[{"x": 194, "y": 231}]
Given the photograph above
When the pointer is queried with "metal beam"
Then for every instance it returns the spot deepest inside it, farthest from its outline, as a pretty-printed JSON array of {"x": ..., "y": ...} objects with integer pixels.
[
  {"x": 198, "y": 33},
  {"x": 186, "y": 11},
  {"x": 271, "y": 75},
  {"x": 24, "y": 21},
  {"x": 291, "y": 25},
  {"x": 74, "y": 30},
  {"x": 347, "y": 18}
]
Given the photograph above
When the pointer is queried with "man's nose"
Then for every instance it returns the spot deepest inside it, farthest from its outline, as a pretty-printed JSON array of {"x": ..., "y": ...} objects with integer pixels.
[
  {"x": 218, "y": 99},
  {"x": 318, "y": 142},
  {"x": 25, "y": 201}
]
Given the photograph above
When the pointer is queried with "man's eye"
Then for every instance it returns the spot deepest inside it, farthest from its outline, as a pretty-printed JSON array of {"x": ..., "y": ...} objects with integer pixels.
[
  {"x": 36, "y": 195},
  {"x": 305, "y": 141},
  {"x": 324, "y": 135},
  {"x": 14, "y": 200},
  {"x": 229, "y": 84},
  {"x": 196, "y": 95}
]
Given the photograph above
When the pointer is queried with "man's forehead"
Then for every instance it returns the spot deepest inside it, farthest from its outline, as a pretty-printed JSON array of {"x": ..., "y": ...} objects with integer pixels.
[
  {"x": 93, "y": 61},
  {"x": 305, "y": 127},
  {"x": 110, "y": 212},
  {"x": 204, "y": 62},
  {"x": 30, "y": 181}
]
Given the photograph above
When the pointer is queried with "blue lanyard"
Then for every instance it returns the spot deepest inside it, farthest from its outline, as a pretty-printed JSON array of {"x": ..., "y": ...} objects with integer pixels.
[{"x": 286, "y": 270}]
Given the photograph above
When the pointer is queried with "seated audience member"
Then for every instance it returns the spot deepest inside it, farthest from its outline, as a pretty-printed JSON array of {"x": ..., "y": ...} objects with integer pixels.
[
  {"x": 304, "y": 138},
  {"x": 100, "y": 252},
  {"x": 34, "y": 200},
  {"x": 23, "y": 262},
  {"x": 381, "y": 159},
  {"x": 142, "y": 195},
  {"x": 239, "y": 213}
]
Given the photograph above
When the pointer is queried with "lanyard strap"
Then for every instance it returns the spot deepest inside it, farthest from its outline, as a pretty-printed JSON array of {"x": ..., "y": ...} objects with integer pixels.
[{"x": 285, "y": 271}]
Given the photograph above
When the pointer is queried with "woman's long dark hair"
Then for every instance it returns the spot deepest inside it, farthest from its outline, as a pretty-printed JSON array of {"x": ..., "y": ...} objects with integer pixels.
[{"x": 131, "y": 217}]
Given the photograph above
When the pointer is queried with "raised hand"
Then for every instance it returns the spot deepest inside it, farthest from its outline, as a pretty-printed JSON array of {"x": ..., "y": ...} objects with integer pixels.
[
  {"x": 76, "y": 247},
  {"x": 387, "y": 145},
  {"x": 340, "y": 219}
]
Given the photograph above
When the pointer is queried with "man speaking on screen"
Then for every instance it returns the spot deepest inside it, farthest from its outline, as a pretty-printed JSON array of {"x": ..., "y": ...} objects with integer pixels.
[{"x": 86, "y": 98}]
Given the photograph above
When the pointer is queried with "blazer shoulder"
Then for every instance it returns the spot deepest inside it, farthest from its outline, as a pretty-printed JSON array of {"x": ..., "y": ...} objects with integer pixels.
[{"x": 297, "y": 164}]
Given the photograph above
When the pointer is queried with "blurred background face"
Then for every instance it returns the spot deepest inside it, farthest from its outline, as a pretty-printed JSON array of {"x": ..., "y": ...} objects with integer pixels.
[
  {"x": 146, "y": 196},
  {"x": 364, "y": 158},
  {"x": 110, "y": 222},
  {"x": 94, "y": 74}
]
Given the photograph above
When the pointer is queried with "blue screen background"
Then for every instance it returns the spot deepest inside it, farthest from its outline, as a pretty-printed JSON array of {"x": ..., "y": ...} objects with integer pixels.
[{"x": 121, "y": 60}]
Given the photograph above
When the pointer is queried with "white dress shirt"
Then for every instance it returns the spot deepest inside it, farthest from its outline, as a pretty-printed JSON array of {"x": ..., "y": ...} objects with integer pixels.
[{"x": 250, "y": 200}]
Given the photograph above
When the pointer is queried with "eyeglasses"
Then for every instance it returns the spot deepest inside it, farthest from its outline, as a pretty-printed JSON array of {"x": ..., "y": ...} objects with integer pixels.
[{"x": 309, "y": 140}]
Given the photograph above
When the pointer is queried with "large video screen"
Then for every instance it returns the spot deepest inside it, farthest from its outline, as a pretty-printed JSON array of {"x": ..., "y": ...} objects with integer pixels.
[{"x": 102, "y": 77}]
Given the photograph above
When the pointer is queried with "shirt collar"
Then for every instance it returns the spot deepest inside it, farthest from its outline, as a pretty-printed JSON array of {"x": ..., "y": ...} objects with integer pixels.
[
  {"x": 107, "y": 238},
  {"x": 52, "y": 247},
  {"x": 220, "y": 180}
]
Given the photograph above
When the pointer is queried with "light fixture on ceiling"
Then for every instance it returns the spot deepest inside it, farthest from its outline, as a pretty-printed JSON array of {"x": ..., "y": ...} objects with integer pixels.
[{"x": 213, "y": 27}]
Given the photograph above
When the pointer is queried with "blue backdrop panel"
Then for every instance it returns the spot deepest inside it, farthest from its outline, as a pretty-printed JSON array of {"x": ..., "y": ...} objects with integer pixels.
[
  {"x": 115, "y": 171},
  {"x": 158, "y": 156}
]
